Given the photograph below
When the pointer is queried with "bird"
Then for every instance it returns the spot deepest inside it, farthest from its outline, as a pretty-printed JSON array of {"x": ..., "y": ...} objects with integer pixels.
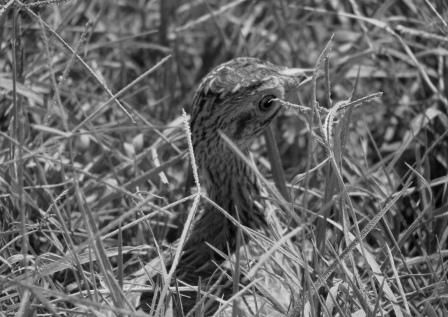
[{"x": 238, "y": 99}]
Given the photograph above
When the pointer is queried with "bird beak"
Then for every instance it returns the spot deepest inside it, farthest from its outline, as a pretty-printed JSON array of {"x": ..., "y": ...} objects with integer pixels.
[
  {"x": 293, "y": 79},
  {"x": 295, "y": 72},
  {"x": 296, "y": 77}
]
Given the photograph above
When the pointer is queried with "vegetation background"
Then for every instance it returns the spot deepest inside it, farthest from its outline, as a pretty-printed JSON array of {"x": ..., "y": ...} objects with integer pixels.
[{"x": 94, "y": 162}]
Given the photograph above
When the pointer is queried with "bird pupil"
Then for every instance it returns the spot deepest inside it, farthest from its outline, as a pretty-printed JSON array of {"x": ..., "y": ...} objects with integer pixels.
[{"x": 266, "y": 102}]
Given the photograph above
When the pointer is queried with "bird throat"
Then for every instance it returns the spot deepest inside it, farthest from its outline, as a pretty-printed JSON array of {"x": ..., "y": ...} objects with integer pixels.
[{"x": 232, "y": 185}]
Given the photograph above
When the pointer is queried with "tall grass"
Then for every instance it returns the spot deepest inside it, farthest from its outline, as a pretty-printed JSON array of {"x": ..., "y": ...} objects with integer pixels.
[{"x": 95, "y": 168}]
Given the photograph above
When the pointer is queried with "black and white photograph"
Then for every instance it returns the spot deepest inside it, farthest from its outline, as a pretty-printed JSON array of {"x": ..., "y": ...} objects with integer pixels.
[{"x": 226, "y": 158}]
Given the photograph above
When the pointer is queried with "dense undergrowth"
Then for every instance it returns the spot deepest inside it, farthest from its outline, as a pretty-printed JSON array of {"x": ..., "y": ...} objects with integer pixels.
[{"x": 94, "y": 162}]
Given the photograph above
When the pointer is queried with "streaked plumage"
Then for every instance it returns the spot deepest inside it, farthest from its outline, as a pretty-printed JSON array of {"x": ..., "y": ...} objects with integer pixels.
[{"x": 238, "y": 99}]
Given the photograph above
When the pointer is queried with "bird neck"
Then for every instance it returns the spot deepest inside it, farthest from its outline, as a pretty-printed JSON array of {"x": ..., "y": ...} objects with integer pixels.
[{"x": 233, "y": 185}]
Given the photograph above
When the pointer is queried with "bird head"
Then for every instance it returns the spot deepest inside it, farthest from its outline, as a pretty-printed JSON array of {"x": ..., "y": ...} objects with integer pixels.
[{"x": 239, "y": 98}]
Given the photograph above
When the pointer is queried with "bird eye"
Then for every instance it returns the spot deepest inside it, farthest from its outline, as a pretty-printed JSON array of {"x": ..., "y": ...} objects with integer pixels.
[{"x": 266, "y": 103}]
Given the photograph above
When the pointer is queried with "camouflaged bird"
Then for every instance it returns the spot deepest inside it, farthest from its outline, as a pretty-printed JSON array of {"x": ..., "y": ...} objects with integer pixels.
[{"x": 239, "y": 99}]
